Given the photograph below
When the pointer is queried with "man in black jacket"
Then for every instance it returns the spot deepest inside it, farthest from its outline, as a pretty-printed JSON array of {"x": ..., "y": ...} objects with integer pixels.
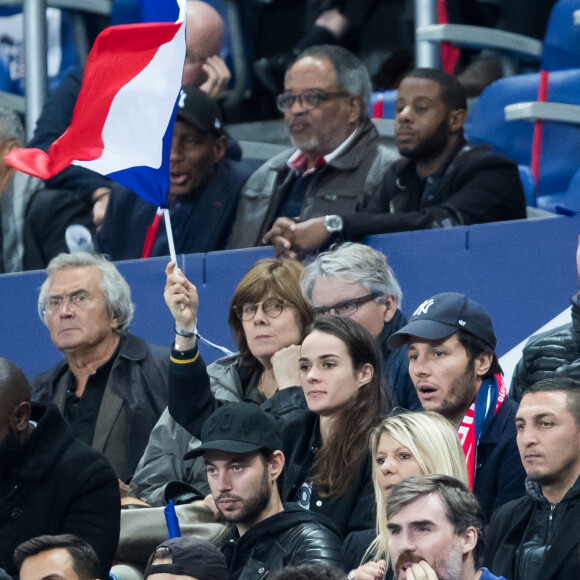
[
  {"x": 538, "y": 537},
  {"x": 241, "y": 448},
  {"x": 441, "y": 181},
  {"x": 50, "y": 483}
]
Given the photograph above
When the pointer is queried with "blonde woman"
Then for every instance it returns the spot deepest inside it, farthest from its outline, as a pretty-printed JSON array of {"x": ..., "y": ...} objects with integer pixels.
[{"x": 403, "y": 445}]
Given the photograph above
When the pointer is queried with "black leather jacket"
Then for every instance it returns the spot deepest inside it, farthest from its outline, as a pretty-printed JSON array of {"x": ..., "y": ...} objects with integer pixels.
[
  {"x": 294, "y": 536},
  {"x": 549, "y": 354}
]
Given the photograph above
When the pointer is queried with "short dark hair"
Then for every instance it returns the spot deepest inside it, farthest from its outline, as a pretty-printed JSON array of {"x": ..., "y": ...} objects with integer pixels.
[
  {"x": 567, "y": 385},
  {"x": 461, "y": 506},
  {"x": 309, "y": 572},
  {"x": 84, "y": 559},
  {"x": 452, "y": 93},
  {"x": 474, "y": 346}
]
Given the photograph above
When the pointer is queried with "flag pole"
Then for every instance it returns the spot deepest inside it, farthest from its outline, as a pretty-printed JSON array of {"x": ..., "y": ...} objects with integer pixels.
[{"x": 169, "y": 235}]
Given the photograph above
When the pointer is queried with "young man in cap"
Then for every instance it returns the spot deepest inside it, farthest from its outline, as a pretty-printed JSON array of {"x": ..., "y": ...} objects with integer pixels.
[
  {"x": 203, "y": 191},
  {"x": 537, "y": 536},
  {"x": 454, "y": 368},
  {"x": 186, "y": 558},
  {"x": 241, "y": 448},
  {"x": 435, "y": 530}
]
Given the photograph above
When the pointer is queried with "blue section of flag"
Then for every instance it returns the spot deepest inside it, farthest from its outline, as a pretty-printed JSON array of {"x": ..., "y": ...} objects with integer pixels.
[{"x": 159, "y": 10}]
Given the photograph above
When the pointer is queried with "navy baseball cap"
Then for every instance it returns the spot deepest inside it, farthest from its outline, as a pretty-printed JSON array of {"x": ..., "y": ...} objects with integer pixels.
[
  {"x": 443, "y": 315},
  {"x": 239, "y": 428}
]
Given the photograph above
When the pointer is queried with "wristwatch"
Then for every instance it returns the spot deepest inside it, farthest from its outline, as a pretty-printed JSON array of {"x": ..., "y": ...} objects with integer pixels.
[{"x": 333, "y": 224}]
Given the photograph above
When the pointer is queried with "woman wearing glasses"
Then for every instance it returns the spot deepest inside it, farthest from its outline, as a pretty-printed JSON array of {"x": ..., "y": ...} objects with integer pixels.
[
  {"x": 268, "y": 316},
  {"x": 328, "y": 467}
]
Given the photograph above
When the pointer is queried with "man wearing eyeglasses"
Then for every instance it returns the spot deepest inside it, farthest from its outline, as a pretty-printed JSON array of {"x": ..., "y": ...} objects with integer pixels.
[
  {"x": 337, "y": 160},
  {"x": 356, "y": 281},
  {"x": 441, "y": 181},
  {"x": 111, "y": 386}
]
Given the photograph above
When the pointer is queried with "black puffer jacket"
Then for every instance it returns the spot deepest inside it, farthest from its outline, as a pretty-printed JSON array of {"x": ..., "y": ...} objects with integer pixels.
[
  {"x": 549, "y": 354},
  {"x": 294, "y": 536}
]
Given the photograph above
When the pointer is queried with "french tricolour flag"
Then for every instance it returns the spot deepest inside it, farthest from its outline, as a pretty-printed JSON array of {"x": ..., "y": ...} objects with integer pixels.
[{"x": 123, "y": 120}]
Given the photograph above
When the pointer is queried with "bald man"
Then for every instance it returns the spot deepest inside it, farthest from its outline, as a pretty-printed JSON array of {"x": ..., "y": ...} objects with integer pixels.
[
  {"x": 50, "y": 483},
  {"x": 203, "y": 67}
]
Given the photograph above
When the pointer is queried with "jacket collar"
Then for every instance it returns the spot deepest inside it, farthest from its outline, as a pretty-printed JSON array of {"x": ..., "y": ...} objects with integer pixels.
[{"x": 396, "y": 323}]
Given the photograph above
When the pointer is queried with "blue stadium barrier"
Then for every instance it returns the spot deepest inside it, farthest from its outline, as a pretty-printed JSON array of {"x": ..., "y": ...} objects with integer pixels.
[{"x": 522, "y": 272}]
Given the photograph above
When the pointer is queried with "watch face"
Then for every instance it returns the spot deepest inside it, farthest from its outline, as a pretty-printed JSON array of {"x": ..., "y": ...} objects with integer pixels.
[{"x": 333, "y": 223}]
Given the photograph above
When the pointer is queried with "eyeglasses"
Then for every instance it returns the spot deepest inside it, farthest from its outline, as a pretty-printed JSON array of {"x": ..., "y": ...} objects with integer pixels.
[
  {"x": 345, "y": 307},
  {"x": 308, "y": 99},
  {"x": 272, "y": 308},
  {"x": 75, "y": 301}
]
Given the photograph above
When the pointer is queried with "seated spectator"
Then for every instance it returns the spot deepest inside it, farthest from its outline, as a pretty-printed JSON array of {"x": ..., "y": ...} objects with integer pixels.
[
  {"x": 241, "y": 447},
  {"x": 64, "y": 556},
  {"x": 50, "y": 483},
  {"x": 202, "y": 67},
  {"x": 267, "y": 361},
  {"x": 435, "y": 530},
  {"x": 356, "y": 281},
  {"x": 186, "y": 558},
  {"x": 403, "y": 445},
  {"x": 111, "y": 387},
  {"x": 537, "y": 536},
  {"x": 553, "y": 353},
  {"x": 203, "y": 191},
  {"x": 452, "y": 363},
  {"x": 336, "y": 161},
  {"x": 33, "y": 219},
  {"x": 328, "y": 466},
  {"x": 441, "y": 181}
]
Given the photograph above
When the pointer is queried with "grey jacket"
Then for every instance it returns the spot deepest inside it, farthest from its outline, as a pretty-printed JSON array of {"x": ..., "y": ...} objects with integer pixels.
[
  {"x": 162, "y": 474},
  {"x": 337, "y": 188}
]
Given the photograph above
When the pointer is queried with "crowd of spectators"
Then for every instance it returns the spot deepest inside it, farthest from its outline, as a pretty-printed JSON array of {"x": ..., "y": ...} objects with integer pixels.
[{"x": 341, "y": 440}]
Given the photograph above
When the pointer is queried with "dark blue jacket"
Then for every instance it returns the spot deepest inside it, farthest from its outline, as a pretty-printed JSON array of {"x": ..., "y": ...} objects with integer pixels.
[
  {"x": 201, "y": 221},
  {"x": 499, "y": 476},
  {"x": 400, "y": 388}
]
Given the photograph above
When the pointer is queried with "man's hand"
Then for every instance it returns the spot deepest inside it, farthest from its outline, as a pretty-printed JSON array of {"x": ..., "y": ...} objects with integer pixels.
[
  {"x": 123, "y": 488},
  {"x": 281, "y": 236},
  {"x": 100, "y": 198},
  {"x": 370, "y": 571},
  {"x": 420, "y": 571},
  {"x": 180, "y": 296},
  {"x": 286, "y": 366},
  {"x": 297, "y": 240},
  {"x": 218, "y": 77}
]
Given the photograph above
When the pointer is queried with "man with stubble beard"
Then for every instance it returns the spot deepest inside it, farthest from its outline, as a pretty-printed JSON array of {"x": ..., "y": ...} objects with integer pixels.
[{"x": 241, "y": 448}]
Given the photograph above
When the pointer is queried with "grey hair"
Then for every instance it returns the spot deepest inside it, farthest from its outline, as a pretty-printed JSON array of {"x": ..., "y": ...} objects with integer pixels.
[
  {"x": 11, "y": 126},
  {"x": 353, "y": 263},
  {"x": 461, "y": 507},
  {"x": 351, "y": 74},
  {"x": 116, "y": 290}
]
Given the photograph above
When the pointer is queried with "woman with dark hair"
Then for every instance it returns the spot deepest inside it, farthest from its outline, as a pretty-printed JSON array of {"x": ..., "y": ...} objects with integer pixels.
[{"x": 328, "y": 467}]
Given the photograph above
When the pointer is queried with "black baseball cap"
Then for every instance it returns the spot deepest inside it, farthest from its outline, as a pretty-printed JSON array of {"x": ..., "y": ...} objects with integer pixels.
[
  {"x": 197, "y": 109},
  {"x": 239, "y": 428},
  {"x": 443, "y": 315},
  {"x": 190, "y": 556}
]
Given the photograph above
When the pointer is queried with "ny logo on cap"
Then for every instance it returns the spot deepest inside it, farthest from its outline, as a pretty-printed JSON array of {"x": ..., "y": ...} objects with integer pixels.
[
  {"x": 423, "y": 308},
  {"x": 182, "y": 96}
]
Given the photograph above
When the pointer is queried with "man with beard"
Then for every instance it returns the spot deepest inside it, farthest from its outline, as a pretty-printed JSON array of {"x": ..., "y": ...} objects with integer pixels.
[
  {"x": 50, "y": 483},
  {"x": 241, "y": 447},
  {"x": 537, "y": 536},
  {"x": 435, "y": 530},
  {"x": 337, "y": 159},
  {"x": 441, "y": 181},
  {"x": 452, "y": 363}
]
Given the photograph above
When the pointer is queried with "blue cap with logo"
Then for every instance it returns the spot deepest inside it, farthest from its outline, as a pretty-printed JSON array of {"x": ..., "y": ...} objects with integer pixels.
[{"x": 443, "y": 315}]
